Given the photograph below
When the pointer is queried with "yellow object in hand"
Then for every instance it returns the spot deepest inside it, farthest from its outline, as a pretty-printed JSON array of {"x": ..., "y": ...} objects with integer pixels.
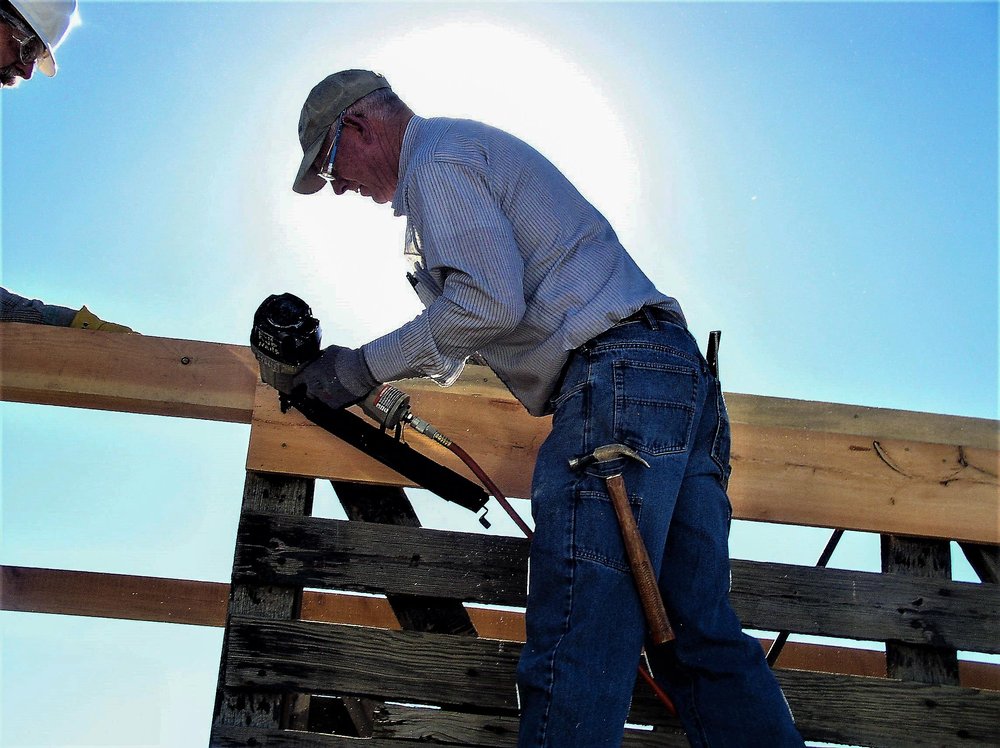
[{"x": 87, "y": 320}]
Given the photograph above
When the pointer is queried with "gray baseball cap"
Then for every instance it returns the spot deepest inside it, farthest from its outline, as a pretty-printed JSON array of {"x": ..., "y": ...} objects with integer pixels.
[{"x": 324, "y": 104}]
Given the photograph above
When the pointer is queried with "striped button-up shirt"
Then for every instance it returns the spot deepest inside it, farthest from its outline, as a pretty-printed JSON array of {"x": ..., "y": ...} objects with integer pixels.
[{"x": 509, "y": 259}]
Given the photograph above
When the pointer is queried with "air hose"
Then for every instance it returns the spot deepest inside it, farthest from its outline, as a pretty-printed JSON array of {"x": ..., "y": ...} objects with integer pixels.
[{"x": 390, "y": 408}]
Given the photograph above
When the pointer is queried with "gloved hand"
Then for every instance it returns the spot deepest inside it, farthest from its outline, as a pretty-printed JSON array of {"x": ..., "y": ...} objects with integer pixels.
[
  {"x": 87, "y": 320},
  {"x": 339, "y": 377}
]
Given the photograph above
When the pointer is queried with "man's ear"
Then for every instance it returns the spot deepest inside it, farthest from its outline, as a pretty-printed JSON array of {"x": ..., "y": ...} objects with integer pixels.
[{"x": 361, "y": 124}]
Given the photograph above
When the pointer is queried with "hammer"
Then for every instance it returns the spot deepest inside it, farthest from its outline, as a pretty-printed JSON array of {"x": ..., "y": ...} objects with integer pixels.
[{"x": 660, "y": 630}]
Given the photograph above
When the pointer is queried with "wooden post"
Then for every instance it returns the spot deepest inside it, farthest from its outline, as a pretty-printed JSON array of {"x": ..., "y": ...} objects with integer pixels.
[
  {"x": 278, "y": 495},
  {"x": 923, "y": 558},
  {"x": 984, "y": 559}
]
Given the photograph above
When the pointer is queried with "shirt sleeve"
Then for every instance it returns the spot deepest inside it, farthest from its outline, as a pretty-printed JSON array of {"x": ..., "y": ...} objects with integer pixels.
[
  {"x": 14, "y": 308},
  {"x": 467, "y": 241}
]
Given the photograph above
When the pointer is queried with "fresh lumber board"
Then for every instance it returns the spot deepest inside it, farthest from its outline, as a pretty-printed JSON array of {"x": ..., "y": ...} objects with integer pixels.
[
  {"x": 781, "y": 473},
  {"x": 131, "y": 373},
  {"x": 84, "y": 593},
  {"x": 478, "y": 675},
  {"x": 795, "y": 461},
  {"x": 328, "y": 553}
]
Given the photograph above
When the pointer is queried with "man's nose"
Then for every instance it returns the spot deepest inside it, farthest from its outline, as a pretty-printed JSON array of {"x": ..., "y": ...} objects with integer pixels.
[{"x": 25, "y": 71}]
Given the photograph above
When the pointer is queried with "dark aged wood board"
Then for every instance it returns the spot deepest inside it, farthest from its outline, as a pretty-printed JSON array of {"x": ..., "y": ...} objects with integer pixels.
[
  {"x": 236, "y": 737},
  {"x": 927, "y": 559},
  {"x": 897, "y": 714},
  {"x": 492, "y": 569},
  {"x": 389, "y": 505},
  {"x": 489, "y": 731},
  {"x": 478, "y": 675},
  {"x": 364, "y": 557},
  {"x": 275, "y": 495},
  {"x": 985, "y": 560}
]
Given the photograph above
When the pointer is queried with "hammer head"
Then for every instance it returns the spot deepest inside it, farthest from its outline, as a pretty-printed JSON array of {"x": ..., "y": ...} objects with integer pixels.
[{"x": 604, "y": 454}]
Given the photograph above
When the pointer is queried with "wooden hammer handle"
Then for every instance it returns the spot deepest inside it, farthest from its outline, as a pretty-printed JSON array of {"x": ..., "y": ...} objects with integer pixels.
[{"x": 660, "y": 630}]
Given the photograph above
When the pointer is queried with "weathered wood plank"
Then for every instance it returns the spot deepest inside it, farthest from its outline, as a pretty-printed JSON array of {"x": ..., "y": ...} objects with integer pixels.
[
  {"x": 864, "y": 605},
  {"x": 275, "y": 495},
  {"x": 132, "y": 373},
  {"x": 890, "y": 713},
  {"x": 927, "y": 559},
  {"x": 467, "y": 672},
  {"x": 199, "y": 603},
  {"x": 388, "y": 505},
  {"x": 235, "y": 736},
  {"x": 781, "y": 474},
  {"x": 478, "y": 675},
  {"x": 492, "y": 569},
  {"x": 364, "y": 557},
  {"x": 441, "y": 727},
  {"x": 984, "y": 559}
]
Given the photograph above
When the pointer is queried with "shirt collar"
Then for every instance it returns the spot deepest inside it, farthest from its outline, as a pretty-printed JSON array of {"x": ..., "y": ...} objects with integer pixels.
[{"x": 405, "y": 157}]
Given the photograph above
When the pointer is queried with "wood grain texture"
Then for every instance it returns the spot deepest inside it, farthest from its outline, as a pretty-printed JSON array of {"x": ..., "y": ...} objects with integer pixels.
[
  {"x": 278, "y": 496},
  {"x": 478, "y": 675},
  {"x": 131, "y": 373},
  {"x": 781, "y": 473},
  {"x": 44, "y": 364},
  {"x": 79, "y": 593},
  {"x": 488, "y": 731},
  {"x": 928, "y": 559},
  {"x": 319, "y": 553},
  {"x": 204, "y": 604},
  {"x": 365, "y": 557},
  {"x": 890, "y": 713}
]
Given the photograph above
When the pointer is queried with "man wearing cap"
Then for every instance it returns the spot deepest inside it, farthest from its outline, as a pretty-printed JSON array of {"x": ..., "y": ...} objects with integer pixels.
[{"x": 513, "y": 264}]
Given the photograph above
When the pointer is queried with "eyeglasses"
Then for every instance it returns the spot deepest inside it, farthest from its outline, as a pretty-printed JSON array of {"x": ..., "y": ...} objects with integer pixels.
[
  {"x": 30, "y": 46},
  {"x": 327, "y": 172}
]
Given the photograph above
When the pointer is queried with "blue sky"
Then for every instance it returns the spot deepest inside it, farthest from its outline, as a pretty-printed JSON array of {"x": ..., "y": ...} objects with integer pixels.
[{"x": 818, "y": 180}]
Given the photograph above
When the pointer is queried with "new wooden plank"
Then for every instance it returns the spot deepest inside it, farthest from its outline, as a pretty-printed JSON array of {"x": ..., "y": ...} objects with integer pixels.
[
  {"x": 54, "y": 365},
  {"x": 335, "y": 554},
  {"x": 781, "y": 473},
  {"x": 133, "y": 373},
  {"x": 79, "y": 593},
  {"x": 478, "y": 675}
]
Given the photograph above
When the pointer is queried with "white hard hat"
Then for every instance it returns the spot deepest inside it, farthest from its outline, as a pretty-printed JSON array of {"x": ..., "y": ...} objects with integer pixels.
[{"x": 51, "y": 20}]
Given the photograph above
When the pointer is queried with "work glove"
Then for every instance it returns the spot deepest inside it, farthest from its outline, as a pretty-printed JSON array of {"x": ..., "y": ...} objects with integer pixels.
[
  {"x": 338, "y": 378},
  {"x": 87, "y": 320}
]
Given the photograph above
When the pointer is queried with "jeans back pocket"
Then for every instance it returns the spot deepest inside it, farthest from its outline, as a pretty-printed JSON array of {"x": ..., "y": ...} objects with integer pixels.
[{"x": 655, "y": 404}]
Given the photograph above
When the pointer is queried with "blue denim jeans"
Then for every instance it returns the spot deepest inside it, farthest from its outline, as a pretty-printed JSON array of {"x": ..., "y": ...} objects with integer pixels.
[{"x": 643, "y": 384}]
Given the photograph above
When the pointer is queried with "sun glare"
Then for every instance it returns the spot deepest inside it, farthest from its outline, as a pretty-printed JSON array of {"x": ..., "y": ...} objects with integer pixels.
[{"x": 500, "y": 75}]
